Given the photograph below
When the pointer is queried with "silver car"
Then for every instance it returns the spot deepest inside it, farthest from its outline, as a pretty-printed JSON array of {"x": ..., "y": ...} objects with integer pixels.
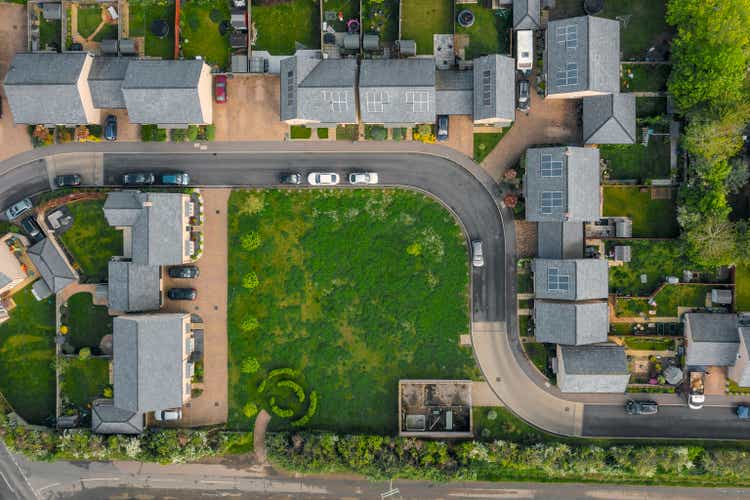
[
  {"x": 477, "y": 259},
  {"x": 363, "y": 178},
  {"x": 19, "y": 208}
]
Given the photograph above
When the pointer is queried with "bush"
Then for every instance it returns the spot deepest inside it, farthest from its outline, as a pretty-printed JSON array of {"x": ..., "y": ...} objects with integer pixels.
[
  {"x": 414, "y": 249},
  {"x": 311, "y": 410},
  {"x": 84, "y": 353},
  {"x": 192, "y": 133},
  {"x": 295, "y": 387},
  {"x": 178, "y": 134},
  {"x": 250, "y": 281},
  {"x": 251, "y": 240},
  {"x": 280, "y": 412},
  {"x": 210, "y": 132},
  {"x": 250, "y": 365},
  {"x": 250, "y": 410},
  {"x": 278, "y": 372},
  {"x": 250, "y": 324},
  {"x": 107, "y": 392}
]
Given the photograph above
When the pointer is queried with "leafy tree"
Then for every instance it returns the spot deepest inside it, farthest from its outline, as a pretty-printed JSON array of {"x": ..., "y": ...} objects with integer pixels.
[
  {"x": 250, "y": 281},
  {"x": 738, "y": 176},
  {"x": 251, "y": 240},
  {"x": 716, "y": 135},
  {"x": 711, "y": 240}
]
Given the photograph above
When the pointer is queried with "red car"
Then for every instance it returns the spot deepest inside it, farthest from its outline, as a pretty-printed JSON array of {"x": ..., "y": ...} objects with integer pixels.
[{"x": 220, "y": 88}]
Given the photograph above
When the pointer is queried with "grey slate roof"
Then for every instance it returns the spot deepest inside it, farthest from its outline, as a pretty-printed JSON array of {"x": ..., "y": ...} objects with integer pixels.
[
  {"x": 4, "y": 280},
  {"x": 105, "y": 81},
  {"x": 587, "y": 279},
  {"x": 609, "y": 119},
  {"x": 571, "y": 323},
  {"x": 712, "y": 339},
  {"x": 148, "y": 362},
  {"x": 393, "y": 91},
  {"x": 454, "y": 94},
  {"x": 593, "y": 46},
  {"x": 42, "y": 88},
  {"x": 578, "y": 183},
  {"x": 494, "y": 88},
  {"x": 106, "y": 418},
  {"x": 526, "y": 14},
  {"x": 600, "y": 368},
  {"x": 52, "y": 265},
  {"x": 133, "y": 287},
  {"x": 163, "y": 91},
  {"x": 560, "y": 240}
]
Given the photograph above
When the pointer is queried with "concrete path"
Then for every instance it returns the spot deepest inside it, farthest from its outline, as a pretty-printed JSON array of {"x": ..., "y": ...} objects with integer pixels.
[
  {"x": 259, "y": 436},
  {"x": 482, "y": 395}
]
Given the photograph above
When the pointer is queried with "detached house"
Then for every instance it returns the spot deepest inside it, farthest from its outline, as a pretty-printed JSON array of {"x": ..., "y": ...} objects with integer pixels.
[
  {"x": 600, "y": 368},
  {"x": 609, "y": 119},
  {"x": 719, "y": 340}
]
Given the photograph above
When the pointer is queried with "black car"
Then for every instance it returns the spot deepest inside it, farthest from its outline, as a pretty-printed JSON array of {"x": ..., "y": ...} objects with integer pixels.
[
  {"x": 32, "y": 229},
  {"x": 183, "y": 272},
  {"x": 69, "y": 180},
  {"x": 641, "y": 407},
  {"x": 174, "y": 179},
  {"x": 292, "y": 178},
  {"x": 110, "y": 128},
  {"x": 138, "y": 179},
  {"x": 182, "y": 294}
]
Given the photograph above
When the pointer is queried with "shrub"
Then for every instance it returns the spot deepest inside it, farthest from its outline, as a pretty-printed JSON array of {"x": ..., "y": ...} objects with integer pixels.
[
  {"x": 250, "y": 410},
  {"x": 295, "y": 387},
  {"x": 251, "y": 240},
  {"x": 195, "y": 393},
  {"x": 179, "y": 135},
  {"x": 249, "y": 365},
  {"x": 210, "y": 132},
  {"x": 192, "y": 133},
  {"x": 281, "y": 412},
  {"x": 310, "y": 411},
  {"x": 250, "y": 280},
  {"x": 107, "y": 392},
  {"x": 84, "y": 353},
  {"x": 414, "y": 249},
  {"x": 278, "y": 372},
  {"x": 250, "y": 324}
]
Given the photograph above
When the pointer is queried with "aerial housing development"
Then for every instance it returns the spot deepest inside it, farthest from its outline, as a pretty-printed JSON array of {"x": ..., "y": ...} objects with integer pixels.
[{"x": 442, "y": 240}]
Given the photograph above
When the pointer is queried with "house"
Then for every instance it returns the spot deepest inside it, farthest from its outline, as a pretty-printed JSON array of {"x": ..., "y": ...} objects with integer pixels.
[
  {"x": 561, "y": 184},
  {"x": 560, "y": 240},
  {"x": 397, "y": 92},
  {"x": 318, "y": 91},
  {"x": 609, "y": 119},
  {"x": 106, "y": 418},
  {"x": 571, "y": 323},
  {"x": 582, "y": 57},
  {"x": 12, "y": 273},
  {"x": 454, "y": 92},
  {"x": 712, "y": 339},
  {"x": 574, "y": 279},
  {"x": 54, "y": 269},
  {"x": 133, "y": 287},
  {"x": 740, "y": 371},
  {"x": 597, "y": 368},
  {"x": 494, "y": 90},
  {"x": 526, "y": 14},
  {"x": 151, "y": 362},
  {"x": 105, "y": 82}
]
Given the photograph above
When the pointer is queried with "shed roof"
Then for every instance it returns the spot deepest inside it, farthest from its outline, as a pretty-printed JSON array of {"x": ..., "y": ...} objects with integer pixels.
[
  {"x": 609, "y": 119},
  {"x": 52, "y": 265},
  {"x": 106, "y": 418},
  {"x": 133, "y": 287},
  {"x": 571, "y": 323},
  {"x": 526, "y": 14}
]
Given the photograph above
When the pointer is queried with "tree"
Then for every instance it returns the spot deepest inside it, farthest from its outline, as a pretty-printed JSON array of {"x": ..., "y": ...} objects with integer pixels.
[
  {"x": 711, "y": 241},
  {"x": 716, "y": 135},
  {"x": 738, "y": 176},
  {"x": 251, "y": 240},
  {"x": 250, "y": 280},
  {"x": 249, "y": 365}
]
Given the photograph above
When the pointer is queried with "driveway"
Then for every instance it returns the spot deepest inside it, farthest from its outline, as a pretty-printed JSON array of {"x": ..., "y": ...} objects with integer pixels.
[
  {"x": 14, "y": 139},
  {"x": 252, "y": 110},
  {"x": 461, "y": 134},
  {"x": 211, "y": 406}
]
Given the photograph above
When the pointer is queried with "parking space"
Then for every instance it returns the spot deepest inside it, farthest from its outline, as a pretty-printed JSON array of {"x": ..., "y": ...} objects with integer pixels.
[
  {"x": 251, "y": 112},
  {"x": 88, "y": 165},
  {"x": 460, "y": 134},
  {"x": 126, "y": 131},
  {"x": 14, "y": 139}
]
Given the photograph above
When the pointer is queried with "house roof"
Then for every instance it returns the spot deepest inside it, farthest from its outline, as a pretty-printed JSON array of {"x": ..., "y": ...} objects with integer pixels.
[
  {"x": 713, "y": 339},
  {"x": 397, "y": 90},
  {"x": 148, "y": 362},
  {"x": 526, "y": 14},
  {"x": 494, "y": 88},
  {"x": 454, "y": 92},
  {"x": 573, "y": 279},
  {"x": 570, "y": 171},
  {"x": 594, "y": 360},
  {"x": 106, "y": 418},
  {"x": 582, "y": 54},
  {"x": 43, "y": 88},
  {"x": 609, "y": 119},
  {"x": 133, "y": 287},
  {"x": 105, "y": 81},
  {"x": 560, "y": 240},
  {"x": 571, "y": 323},
  {"x": 164, "y": 91},
  {"x": 52, "y": 265}
]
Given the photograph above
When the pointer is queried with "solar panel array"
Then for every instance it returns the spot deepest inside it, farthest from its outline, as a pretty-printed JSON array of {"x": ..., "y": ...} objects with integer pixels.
[
  {"x": 339, "y": 100},
  {"x": 550, "y": 167},
  {"x": 557, "y": 282},
  {"x": 567, "y": 75},
  {"x": 551, "y": 201},
  {"x": 487, "y": 87},
  {"x": 419, "y": 100},
  {"x": 290, "y": 88},
  {"x": 567, "y": 35},
  {"x": 375, "y": 100}
]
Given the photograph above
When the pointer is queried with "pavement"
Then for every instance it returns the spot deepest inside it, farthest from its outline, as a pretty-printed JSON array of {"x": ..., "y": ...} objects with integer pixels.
[{"x": 13, "y": 138}]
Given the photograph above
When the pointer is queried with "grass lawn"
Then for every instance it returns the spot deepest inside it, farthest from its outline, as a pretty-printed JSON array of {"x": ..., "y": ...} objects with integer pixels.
[
  {"x": 86, "y": 323},
  {"x": 651, "y": 218},
  {"x": 649, "y": 343},
  {"x": 646, "y": 78},
  {"x": 347, "y": 133},
  {"x": 50, "y": 32},
  {"x": 348, "y": 8},
  {"x": 381, "y": 17},
  {"x": 492, "y": 424},
  {"x": 300, "y": 132},
  {"x": 523, "y": 326},
  {"x": 650, "y": 106},
  {"x": 485, "y": 143},
  {"x": 672, "y": 296},
  {"x": 27, "y": 353},
  {"x": 91, "y": 241},
  {"x": 84, "y": 380},
  {"x": 89, "y": 18},
  {"x": 525, "y": 282},
  {"x": 280, "y": 25},
  {"x": 634, "y": 161},
  {"x": 199, "y": 25},
  {"x": 742, "y": 288},
  {"x": 490, "y": 32},
  {"x": 645, "y": 25},
  {"x": 631, "y": 308},
  {"x": 332, "y": 269},
  {"x": 538, "y": 354},
  {"x": 141, "y": 17},
  {"x": 420, "y": 19}
]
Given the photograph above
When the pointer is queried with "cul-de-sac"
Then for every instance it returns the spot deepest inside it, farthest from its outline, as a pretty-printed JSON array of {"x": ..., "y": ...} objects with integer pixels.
[{"x": 374, "y": 248}]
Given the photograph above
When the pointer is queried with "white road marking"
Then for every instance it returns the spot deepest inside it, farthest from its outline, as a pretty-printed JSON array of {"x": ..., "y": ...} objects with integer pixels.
[
  {"x": 100, "y": 479},
  {"x": 6, "y": 482},
  {"x": 494, "y": 493}
]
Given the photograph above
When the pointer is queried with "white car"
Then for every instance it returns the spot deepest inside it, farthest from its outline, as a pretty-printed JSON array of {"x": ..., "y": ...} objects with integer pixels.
[
  {"x": 363, "y": 178},
  {"x": 168, "y": 415},
  {"x": 478, "y": 256},
  {"x": 17, "y": 209},
  {"x": 323, "y": 178}
]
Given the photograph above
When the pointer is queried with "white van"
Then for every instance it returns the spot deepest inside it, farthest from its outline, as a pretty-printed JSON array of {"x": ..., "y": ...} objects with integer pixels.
[{"x": 524, "y": 50}]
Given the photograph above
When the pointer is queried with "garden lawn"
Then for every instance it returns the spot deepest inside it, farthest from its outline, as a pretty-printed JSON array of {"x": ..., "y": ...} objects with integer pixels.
[
  {"x": 672, "y": 296},
  {"x": 86, "y": 323},
  {"x": 525, "y": 282},
  {"x": 141, "y": 17},
  {"x": 523, "y": 326},
  {"x": 349, "y": 9},
  {"x": 651, "y": 218},
  {"x": 650, "y": 106},
  {"x": 84, "y": 380},
  {"x": 347, "y": 133},
  {"x": 50, "y": 32},
  {"x": 489, "y": 33},
  {"x": 649, "y": 344},
  {"x": 420, "y": 19},
  {"x": 381, "y": 17},
  {"x": 89, "y": 18},
  {"x": 357, "y": 289},
  {"x": 300, "y": 132},
  {"x": 634, "y": 161},
  {"x": 280, "y": 25},
  {"x": 646, "y": 25},
  {"x": 27, "y": 354},
  {"x": 199, "y": 24},
  {"x": 646, "y": 77},
  {"x": 631, "y": 308},
  {"x": 538, "y": 355},
  {"x": 742, "y": 288},
  {"x": 485, "y": 143}
]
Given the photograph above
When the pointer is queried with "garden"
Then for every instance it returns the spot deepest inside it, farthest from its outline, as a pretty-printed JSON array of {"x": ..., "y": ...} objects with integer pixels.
[
  {"x": 644, "y": 77},
  {"x": 649, "y": 343},
  {"x": 742, "y": 287},
  {"x": 652, "y": 218},
  {"x": 283, "y": 25},
  {"x": 490, "y": 32},
  {"x": 143, "y": 15},
  {"x": 420, "y": 19},
  {"x": 540, "y": 354},
  {"x": 85, "y": 324},
  {"x": 347, "y": 133},
  {"x": 89, "y": 19},
  {"x": 381, "y": 18},
  {"x": 204, "y": 31},
  {"x": 484, "y": 143},
  {"x": 91, "y": 240},
  {"x": 50, "y": 32},
  {"x": 82, "y": 380},
  {"x": 338, "y": 13},
  {"x": 310, "y": 315},
  {"x": 636, "y": 161}
]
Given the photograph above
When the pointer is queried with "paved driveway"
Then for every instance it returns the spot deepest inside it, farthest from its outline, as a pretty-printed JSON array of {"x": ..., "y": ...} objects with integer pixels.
[
  {"x": 13, "y": 138},
  {"x": 252, "y": 110}
]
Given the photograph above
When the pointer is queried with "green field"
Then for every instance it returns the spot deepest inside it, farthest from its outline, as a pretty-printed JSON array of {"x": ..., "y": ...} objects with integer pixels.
[
  {"x": 651, "y": 218},
  {"x": 281, "y": 25},
  {"x": 199, "y": 25},
  {"x": 490, "y": 33},
  {"x": 356, "y": 289},
  {"x": 86, "y": 323},
  {"x": 83, "y": 380},
  {"x": 420, "y": 19},
  {"x": 635, "y": 161}
]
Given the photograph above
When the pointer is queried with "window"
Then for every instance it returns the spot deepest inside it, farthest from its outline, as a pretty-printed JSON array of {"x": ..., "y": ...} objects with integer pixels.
[
  {"x": 557, "y": 282},
  {"x": 567, "y": 75},
  {"x": 290, "y": 88},
  {"x": 374, "y": 101},
  {"x": 487, "y": 87},
  {"x": 551, "y": 201},
  {"x": 550, "y": 167},
  {"x": 567, "y": 35},
  {"x": 338, "y": 100},
  {"x": 419, "y": 100}
]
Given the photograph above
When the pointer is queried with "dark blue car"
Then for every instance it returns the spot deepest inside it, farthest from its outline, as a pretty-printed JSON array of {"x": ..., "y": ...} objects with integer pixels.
[
  {"x": 743, "y": 412},
  {"x": 110, "y": 128}
]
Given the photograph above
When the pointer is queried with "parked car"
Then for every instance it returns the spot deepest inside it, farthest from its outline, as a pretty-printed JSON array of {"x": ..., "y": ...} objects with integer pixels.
[
  {"x": 110, "y": 128},
  {"x": 18, "y": 208},
  {"x": 477, "y": 259},
  {"x": 363, "y": 178},
  {"x": 32, "y": 229},
  {"x": 220, "y": 89},
  {"x": 174, "y": 179},
  {"x": 641, "y": 407},
  {"x": 743, "y": 412},
  {"x": 183, "y": 272},
  {"x": 524, "y": 101},
  {"x": 442, "y": 128},
  {"x": 182, "y": 294},
  {"x": 238, "y": 3},
  {"x": 323, "y": 178},
  {"x": 291, "y": 178},
  {"x": 138, "y": 179},
  {"x": 76, "y": 47},
  {"x": 168, "y": 415},
  {"x": 68, "y": 180}
]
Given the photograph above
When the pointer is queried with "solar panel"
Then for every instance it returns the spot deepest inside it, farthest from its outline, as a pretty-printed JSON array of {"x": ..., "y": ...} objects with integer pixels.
[
  {"x": 419, "y": 100},
  {"x": 550, "y": 201},
  {"x": 557, "y": 282},
  {"x": 375, "y": 100},
  {"x": 487, "y": 88},
  {"x": 567, "y": 75},
  {"x": 550, "y": 167},
  {"x": 567, "y": 35},
  {"x": 338, "y": 100}
]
